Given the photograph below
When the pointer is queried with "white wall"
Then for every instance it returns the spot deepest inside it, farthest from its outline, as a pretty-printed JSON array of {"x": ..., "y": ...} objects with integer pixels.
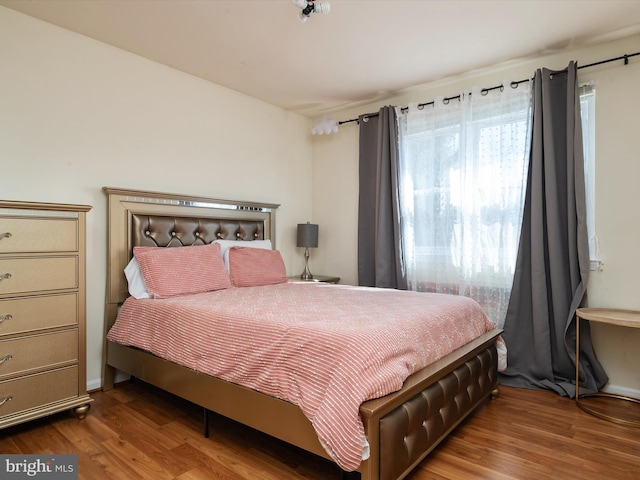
[
  {"x": 77, "y": 115},
  {"x": 335, "y": 188}
]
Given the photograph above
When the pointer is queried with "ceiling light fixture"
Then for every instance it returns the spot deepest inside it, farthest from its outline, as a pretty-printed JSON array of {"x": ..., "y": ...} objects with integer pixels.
[
  {"x": 325, "y": 125},
  {"x": 307, "y": 7}
]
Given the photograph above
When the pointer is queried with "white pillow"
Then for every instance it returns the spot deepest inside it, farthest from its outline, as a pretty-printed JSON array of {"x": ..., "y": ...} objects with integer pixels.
[
  {"x": 225, "y": 245},
  {"x": 137, "y": 287}
]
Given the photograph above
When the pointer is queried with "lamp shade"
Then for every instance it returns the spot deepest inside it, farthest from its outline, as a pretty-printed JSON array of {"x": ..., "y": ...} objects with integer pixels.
[{"x": 308, "y": 235}]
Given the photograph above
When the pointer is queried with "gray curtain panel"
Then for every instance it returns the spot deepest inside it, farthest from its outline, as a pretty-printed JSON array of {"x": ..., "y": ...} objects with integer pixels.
[
  {"x": 379, "y": 249},
  {"x": 552, "y": 268}
]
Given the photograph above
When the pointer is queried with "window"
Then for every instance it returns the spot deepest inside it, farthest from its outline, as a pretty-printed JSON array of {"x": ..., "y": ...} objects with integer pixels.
[
  {"x": 463, "y": 167},
  {"x": 588, "y": 114},
  {"x": 462, "y": 182}
]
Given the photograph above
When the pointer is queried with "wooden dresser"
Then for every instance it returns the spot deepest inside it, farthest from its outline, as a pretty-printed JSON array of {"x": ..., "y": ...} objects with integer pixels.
[{"x": 42, "y": 310}]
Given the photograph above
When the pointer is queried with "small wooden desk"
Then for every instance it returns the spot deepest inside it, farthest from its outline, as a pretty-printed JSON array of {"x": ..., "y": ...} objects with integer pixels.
[{"x": 610, "y": 316}]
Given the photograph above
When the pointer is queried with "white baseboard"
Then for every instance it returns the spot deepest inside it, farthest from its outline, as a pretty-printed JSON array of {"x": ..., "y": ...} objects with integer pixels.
[
  {"x": 618, "y": 390},
  {"x": 96, "y": 384}
]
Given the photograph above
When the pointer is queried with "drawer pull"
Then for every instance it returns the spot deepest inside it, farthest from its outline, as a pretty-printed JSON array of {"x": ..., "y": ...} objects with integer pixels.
[
  {"x": 5, "y": 235},
  {"x": 5, "y": 358},
  {"x": 5, "y": 400},
  {"x": 8, "y": 316},
  {"x": 5, "y": 276}
]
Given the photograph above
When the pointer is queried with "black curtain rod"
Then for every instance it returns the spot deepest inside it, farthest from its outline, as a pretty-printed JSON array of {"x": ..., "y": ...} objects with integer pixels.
[{"x": 514, "y": 84}]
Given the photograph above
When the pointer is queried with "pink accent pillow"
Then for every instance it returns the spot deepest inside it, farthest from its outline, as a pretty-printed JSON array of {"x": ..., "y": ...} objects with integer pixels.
[
  {"x": 171, "y": 271},
  {"x": 249, "y": 267}
]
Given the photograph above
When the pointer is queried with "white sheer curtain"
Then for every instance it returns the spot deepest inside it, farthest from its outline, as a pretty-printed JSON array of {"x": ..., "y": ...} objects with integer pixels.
[
  {"x": 463, "y": 168},
  {"x": 588, "y": 117}
]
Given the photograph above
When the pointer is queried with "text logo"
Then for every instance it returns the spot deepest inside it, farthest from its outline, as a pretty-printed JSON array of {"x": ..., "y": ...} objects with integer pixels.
[{"x": 49, "y": 467}]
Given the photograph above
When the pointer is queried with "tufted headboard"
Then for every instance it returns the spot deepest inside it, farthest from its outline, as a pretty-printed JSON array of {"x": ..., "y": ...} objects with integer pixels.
[
  {"x": 141, "y": 218},
  {"x": 171, "y": 231}
]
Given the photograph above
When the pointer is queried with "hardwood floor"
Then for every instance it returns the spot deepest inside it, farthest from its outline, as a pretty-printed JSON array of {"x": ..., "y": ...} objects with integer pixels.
[{"x": 138, "y": 432}]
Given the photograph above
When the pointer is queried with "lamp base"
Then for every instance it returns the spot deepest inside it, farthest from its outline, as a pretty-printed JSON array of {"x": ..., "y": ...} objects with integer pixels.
[{"x": 306, "y": 274}]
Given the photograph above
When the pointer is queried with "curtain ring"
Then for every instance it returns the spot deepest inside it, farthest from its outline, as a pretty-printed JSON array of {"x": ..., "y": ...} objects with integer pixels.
[
  {"x": 421, "y": 106},
  {"x": 484, "y": 92},
  {"x": 365, "y": 119},
  {"x": 514, "y": 85},
  {"x": 445, "y": 101},
  {"x": 502, "y": 88}
]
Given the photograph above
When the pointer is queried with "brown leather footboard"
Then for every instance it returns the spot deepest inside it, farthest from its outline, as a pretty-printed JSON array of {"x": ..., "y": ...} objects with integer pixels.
[{"x": 410, "y": 431}]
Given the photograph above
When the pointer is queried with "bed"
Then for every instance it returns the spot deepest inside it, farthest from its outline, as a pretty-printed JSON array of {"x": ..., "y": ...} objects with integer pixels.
[{"x": 400, "y": 427}]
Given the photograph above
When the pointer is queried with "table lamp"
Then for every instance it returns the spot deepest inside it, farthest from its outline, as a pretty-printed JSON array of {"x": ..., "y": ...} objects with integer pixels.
[{"x": 307, "y": 238}]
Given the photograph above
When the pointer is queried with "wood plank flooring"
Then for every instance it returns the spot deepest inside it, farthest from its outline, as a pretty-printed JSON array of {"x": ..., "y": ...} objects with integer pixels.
[{"x": 138, "y": 432}]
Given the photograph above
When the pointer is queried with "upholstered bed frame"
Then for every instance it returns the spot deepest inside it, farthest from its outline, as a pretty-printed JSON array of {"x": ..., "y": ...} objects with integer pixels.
[{"x": 402, "y": 428}]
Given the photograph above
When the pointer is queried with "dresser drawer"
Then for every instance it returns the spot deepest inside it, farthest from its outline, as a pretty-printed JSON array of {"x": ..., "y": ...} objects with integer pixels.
[
  {"x": 33, "y": 274},
  {"x": 26, "y": 235},
  {"x": 22, "y": 355},
  {"x": 38, "y": 390},
  {"x": 26, "y": 314}
]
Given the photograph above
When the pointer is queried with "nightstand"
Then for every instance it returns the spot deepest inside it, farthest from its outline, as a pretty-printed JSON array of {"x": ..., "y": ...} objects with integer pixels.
[{"x": 317, "y": 278}]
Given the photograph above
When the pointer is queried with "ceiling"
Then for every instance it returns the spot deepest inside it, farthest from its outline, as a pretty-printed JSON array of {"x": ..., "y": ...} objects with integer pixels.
[{"x": 362, "y": 51}]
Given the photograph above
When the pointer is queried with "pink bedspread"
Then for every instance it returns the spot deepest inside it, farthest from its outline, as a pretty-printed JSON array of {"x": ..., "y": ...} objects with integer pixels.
[{"x": 326, "y": 348}]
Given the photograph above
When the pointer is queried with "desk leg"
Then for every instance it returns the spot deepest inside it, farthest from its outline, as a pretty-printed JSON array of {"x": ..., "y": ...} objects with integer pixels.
[{"x": 589, "y": 410}]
